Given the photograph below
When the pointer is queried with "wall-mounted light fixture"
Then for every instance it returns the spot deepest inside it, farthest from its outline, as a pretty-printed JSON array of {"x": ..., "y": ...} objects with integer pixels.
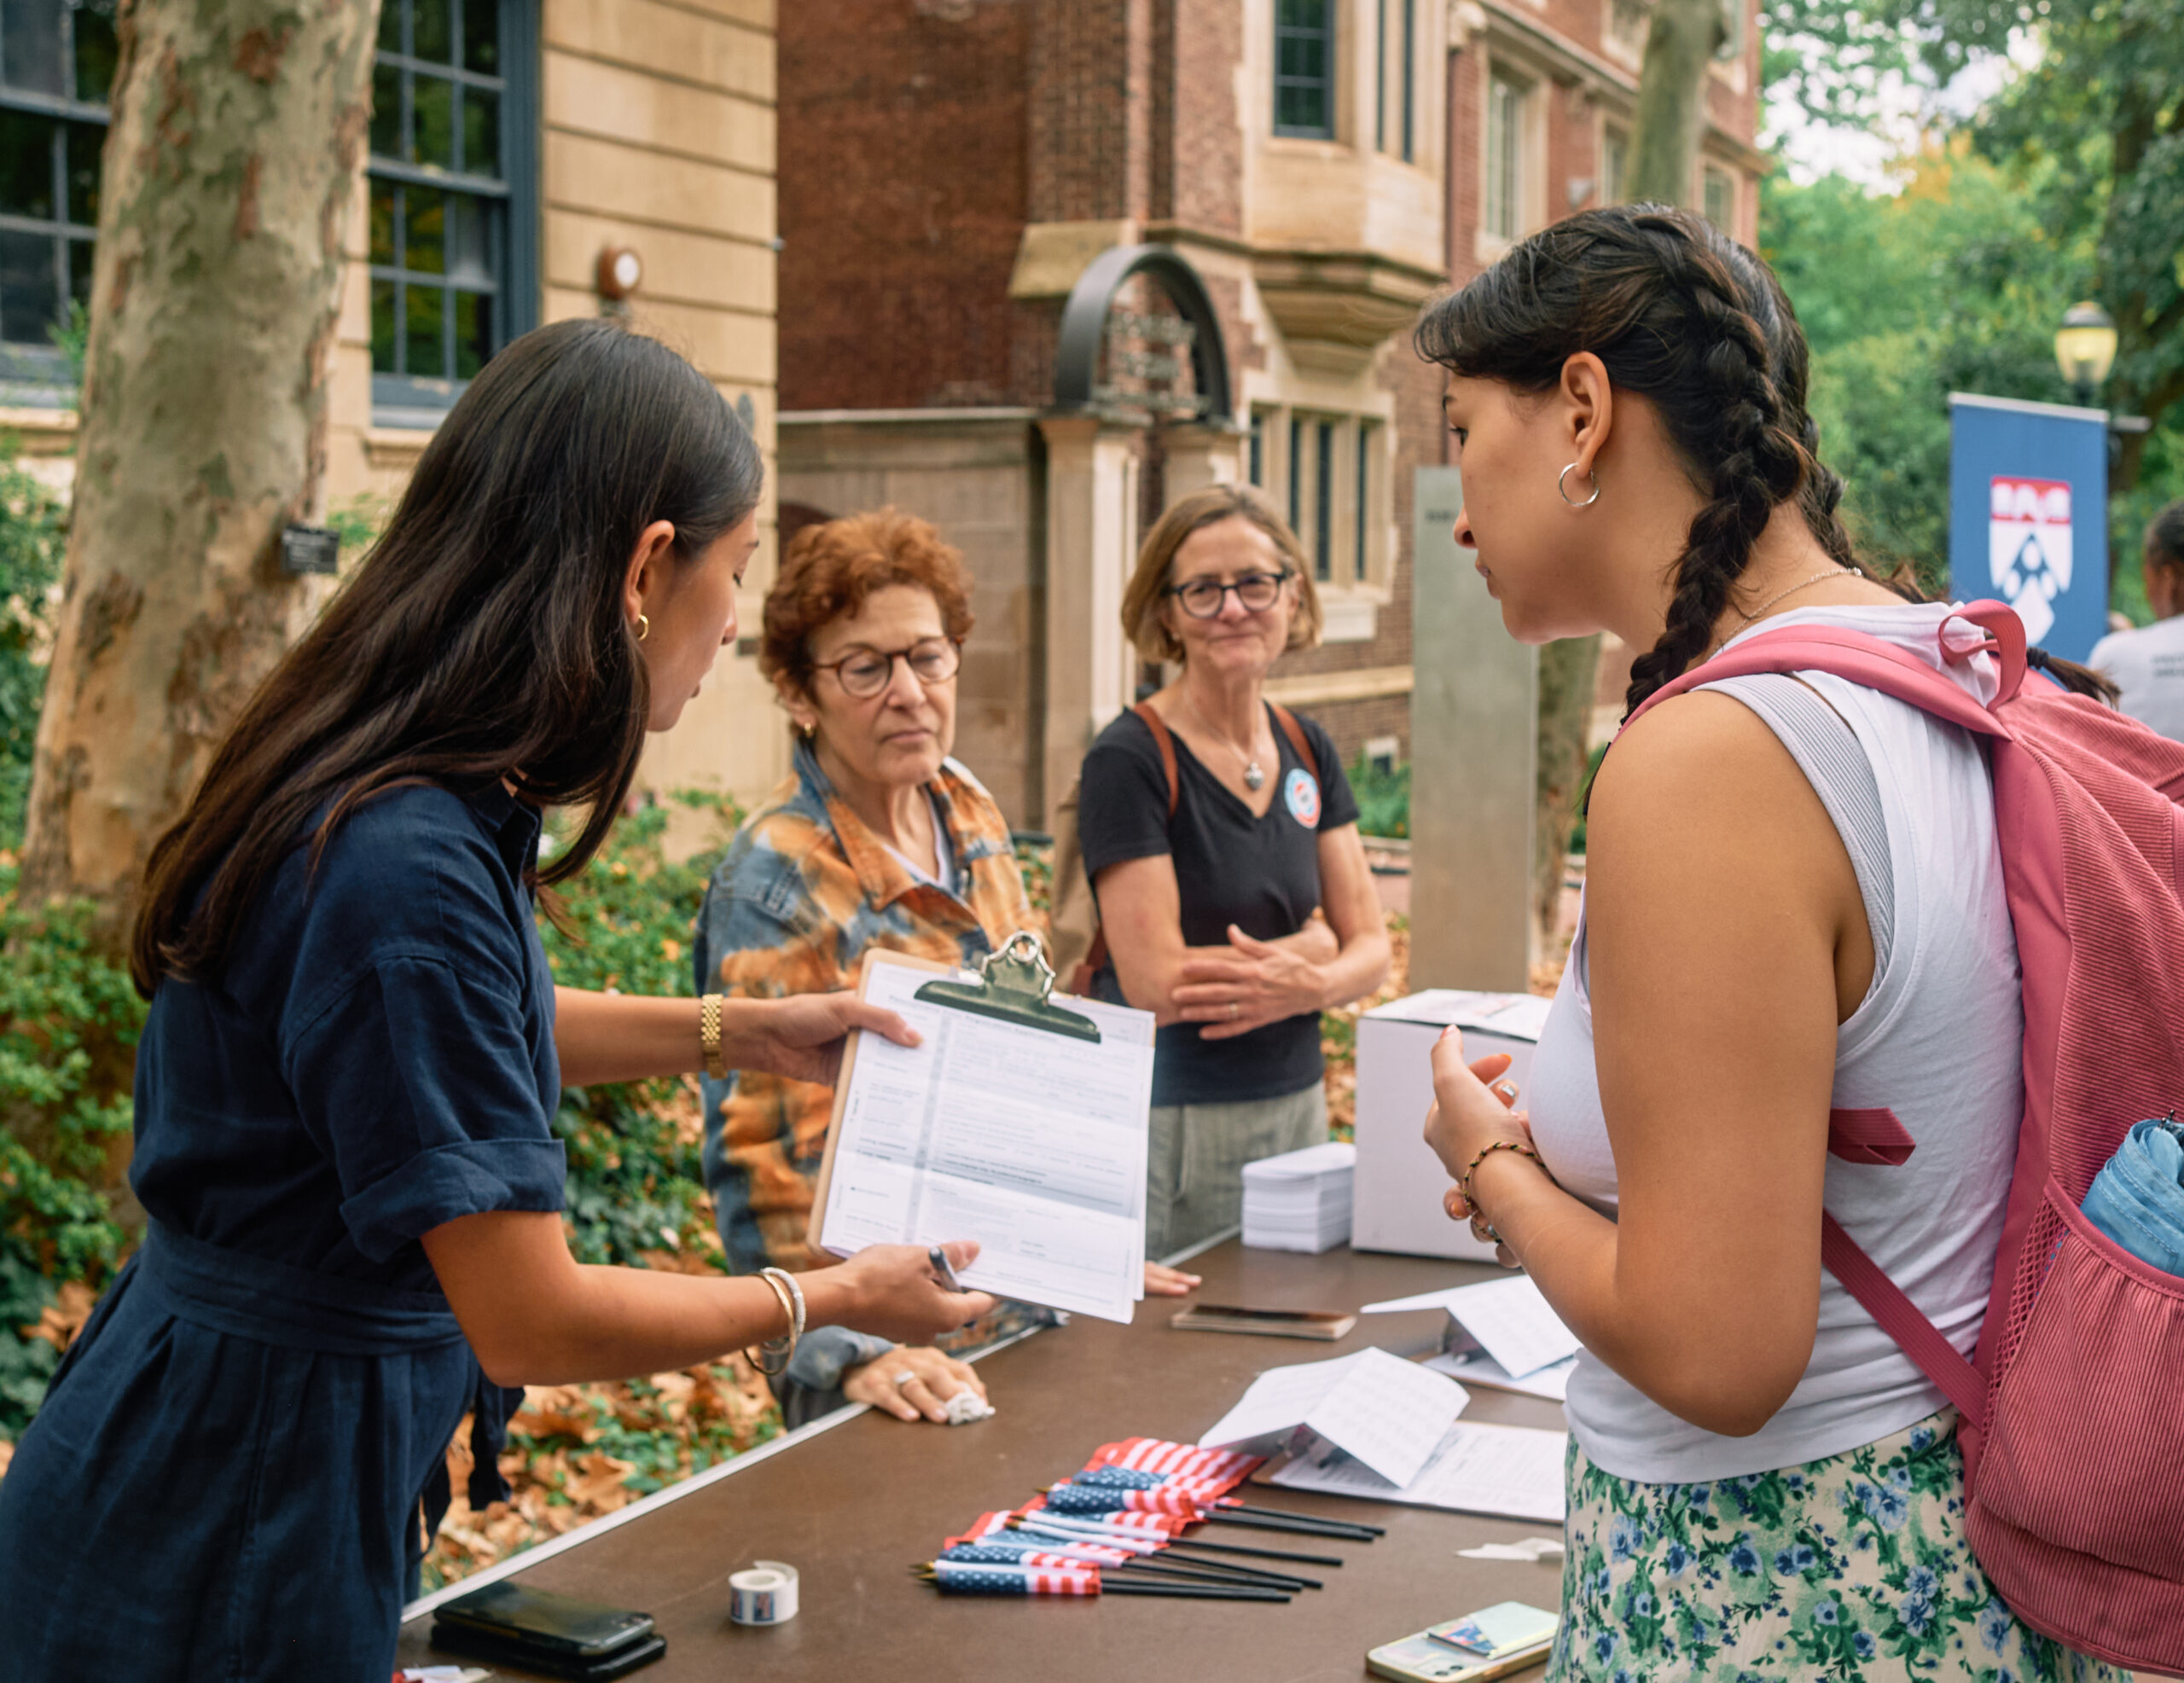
[{"x": 621, "y": 272}]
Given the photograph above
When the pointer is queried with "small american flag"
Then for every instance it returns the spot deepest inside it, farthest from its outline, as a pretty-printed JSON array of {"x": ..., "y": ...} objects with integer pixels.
[
  {"x": 1075, "y": 1498},
  {"x": 1225, "y": 1467},
  {"x": 959, "y": 1578}
]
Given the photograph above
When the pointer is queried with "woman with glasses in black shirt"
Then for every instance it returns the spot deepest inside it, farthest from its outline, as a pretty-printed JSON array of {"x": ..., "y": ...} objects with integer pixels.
[{"x": 1233, "y": 889}]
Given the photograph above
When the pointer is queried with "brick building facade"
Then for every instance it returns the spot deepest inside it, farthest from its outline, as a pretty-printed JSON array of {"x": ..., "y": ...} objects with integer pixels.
[{"x": 951, "y": 171}]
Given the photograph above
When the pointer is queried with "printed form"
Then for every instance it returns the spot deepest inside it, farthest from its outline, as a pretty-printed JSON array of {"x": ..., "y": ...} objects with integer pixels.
[{"x": 1029, "y": 1142}]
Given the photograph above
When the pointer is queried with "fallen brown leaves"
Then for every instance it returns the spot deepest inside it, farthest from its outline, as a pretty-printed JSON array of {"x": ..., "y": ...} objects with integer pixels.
[
  {"x": 60, "y": 1321},
  {"x": 579, "y": 1453}
]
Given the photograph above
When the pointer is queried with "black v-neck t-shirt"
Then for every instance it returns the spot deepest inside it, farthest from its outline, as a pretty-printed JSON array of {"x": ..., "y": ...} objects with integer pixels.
[{"x": 1262, "y": 874}]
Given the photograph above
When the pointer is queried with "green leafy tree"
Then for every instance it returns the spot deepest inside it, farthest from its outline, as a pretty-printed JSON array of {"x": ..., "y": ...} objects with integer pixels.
[{"x": 2092, "y": 134}]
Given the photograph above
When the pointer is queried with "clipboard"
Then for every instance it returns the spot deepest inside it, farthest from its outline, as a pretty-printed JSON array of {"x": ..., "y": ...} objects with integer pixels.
[{"x": 1015, "y": 985}]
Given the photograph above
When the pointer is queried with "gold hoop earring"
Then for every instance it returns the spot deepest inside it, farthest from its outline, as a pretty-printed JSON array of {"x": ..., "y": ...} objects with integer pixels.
[
  {"x": 644, "y": 627},
  {"x": 1561, "y": 484}
]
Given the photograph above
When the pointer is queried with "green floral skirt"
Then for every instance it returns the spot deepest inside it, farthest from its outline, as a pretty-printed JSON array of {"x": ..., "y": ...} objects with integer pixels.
[{"x": 1854, "y": 1568}]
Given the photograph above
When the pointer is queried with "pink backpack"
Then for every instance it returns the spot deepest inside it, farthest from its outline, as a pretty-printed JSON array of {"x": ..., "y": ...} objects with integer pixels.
[{"x": 2073, "y": 1407}]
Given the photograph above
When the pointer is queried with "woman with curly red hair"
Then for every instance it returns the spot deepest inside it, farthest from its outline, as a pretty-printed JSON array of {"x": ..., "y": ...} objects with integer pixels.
[{"x": 877, "y": 839}]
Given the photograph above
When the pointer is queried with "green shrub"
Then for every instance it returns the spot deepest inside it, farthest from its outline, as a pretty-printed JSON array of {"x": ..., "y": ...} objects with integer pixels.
[
  {"x": 33, "y": 534},
  {"x": 635, "y": 1182},
  {"x": 1383, "y": 798}
]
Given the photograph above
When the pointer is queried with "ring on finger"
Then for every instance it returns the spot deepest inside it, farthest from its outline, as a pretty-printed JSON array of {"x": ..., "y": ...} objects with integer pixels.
[
  {"x": 1235, "y": 1010},
  {"x": 903, "y": 1378}
]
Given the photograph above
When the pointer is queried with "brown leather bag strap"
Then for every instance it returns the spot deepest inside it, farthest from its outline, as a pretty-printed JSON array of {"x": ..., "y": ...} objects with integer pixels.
[
  {"x": 1158, "y": 727},
  {"x": 1297, "y": 740}
]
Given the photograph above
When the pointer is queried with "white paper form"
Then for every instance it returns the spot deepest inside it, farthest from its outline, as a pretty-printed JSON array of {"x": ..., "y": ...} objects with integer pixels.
[
  {"x": 1387, "y": 1412},
  {"x": 1031, "y": 1143},
  {"x": 1477, "y": 1367},
  {"x": 1509, "y": 1320},
  {"x": 1511, "y": 1471}
]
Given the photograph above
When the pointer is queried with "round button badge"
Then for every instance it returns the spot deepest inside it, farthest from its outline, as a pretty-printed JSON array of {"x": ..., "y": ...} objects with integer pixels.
[{"x": 1300, "y": 792}]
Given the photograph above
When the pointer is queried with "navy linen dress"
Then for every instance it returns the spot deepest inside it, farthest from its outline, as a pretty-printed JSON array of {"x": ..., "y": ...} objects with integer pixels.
[{"x": 225, "y": 1480}]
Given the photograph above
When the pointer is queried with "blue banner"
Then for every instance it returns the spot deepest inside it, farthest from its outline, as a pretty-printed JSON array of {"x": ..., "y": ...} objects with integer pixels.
[{"x": 2028, "y": 508}]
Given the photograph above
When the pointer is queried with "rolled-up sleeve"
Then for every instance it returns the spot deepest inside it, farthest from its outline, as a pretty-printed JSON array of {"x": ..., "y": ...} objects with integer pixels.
[{"x": 421, "y": 1086}]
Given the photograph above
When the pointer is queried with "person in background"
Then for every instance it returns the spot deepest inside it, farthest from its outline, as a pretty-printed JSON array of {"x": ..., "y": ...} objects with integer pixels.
[
  {"x": 877, "y": 839},
  {"x": 1248, "y": 910},
  {"x": 2147, "y": 665}
]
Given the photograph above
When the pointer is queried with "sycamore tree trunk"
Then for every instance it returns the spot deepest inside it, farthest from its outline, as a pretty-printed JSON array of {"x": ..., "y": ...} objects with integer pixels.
[
  {"x": 237, "y": 129},
  {"x": 1670, "y": 114}
]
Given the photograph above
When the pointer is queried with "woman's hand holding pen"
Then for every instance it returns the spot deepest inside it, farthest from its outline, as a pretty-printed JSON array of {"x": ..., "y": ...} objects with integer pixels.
[
  {"x": 801, "y": 1036},
  {"x": 890, "y": 1290},
  {"x": 1252, "y": 984}
]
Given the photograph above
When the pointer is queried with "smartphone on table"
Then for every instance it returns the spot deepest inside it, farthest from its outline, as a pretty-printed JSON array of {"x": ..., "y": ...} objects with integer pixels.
[{"x": 1493, "y": 1642}]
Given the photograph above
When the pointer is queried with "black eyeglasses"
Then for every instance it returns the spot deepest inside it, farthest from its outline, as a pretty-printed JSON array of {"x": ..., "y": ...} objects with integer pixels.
[
  {"x": 862, "y": 673},
  {"x": 1202, "y": 598}
]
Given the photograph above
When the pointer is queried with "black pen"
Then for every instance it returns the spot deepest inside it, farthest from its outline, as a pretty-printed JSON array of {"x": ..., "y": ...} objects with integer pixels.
[{"x": 942, "y": 1269}]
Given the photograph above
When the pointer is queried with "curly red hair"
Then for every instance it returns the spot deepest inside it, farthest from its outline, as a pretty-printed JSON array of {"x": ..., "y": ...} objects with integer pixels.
[{"x": 832, "y": 567}]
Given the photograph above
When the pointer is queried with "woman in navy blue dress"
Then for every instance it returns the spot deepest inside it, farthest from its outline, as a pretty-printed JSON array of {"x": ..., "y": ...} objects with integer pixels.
[{"x": 355, "y": 1048}]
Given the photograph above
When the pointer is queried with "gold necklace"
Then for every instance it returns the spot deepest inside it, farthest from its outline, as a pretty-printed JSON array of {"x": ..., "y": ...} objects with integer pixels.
[{"x": 1746, "y": 619}]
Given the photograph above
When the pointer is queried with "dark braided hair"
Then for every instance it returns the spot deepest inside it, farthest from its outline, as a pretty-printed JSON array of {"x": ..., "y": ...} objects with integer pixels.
[{"x": 1681, "y": 314}]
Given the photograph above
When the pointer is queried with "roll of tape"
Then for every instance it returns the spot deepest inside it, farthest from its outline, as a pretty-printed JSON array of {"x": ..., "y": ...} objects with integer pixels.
[{"x": 763, "y": 1593}]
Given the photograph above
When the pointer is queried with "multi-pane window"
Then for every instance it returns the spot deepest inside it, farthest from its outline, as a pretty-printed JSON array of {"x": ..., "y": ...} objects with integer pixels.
[
  {"x": 1721, "y": 201},
  {"x": 1328, "y": 477},
  {"x": 1395, "y": 79},
  {"x": 1361, "y": 500},
  {"x": 1323, "y": 503},
  {"x": 450, "y": 134},
  {"x": 1615, "y": 166},
  {"x": 56, "y": 67},
  {"x": 1303, "y": 68},
  {"x": 1504, "y": 156}
]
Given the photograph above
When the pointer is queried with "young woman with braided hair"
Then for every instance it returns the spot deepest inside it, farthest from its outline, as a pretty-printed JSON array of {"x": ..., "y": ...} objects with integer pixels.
[{"x": 1794, "y": 902}]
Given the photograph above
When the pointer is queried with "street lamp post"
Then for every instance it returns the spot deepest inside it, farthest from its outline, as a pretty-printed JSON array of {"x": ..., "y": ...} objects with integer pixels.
[{"x": 2085, "y": 349}]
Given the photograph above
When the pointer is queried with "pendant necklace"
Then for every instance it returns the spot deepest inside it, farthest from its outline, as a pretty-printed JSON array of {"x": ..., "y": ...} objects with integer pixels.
[{"x": 1254, "y": 773}]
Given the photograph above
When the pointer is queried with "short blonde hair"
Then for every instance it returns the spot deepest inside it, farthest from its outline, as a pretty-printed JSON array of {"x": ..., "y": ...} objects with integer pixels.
[{"x": 1142, "y": 621}]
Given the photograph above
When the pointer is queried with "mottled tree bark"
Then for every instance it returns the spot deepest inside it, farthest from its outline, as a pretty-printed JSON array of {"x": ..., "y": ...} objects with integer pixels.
[
  {"x": 238, "y": 126},
  {"x": 1671, "y": 109},
  {"x": 1567, "y": 670}
]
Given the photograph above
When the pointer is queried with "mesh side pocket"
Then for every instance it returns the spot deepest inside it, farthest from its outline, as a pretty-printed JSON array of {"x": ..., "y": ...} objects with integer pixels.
[{"x": 2085, "y": 1439}]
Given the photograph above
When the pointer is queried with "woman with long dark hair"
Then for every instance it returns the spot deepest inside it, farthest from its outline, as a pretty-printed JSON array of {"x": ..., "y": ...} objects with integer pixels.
[
  {"x": 1794, "y": 901},
  {"x": 355, "y": 1048}
]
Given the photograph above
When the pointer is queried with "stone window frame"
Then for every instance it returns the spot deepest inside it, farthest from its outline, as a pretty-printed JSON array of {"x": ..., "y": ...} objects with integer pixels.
[
  {"x": 1360, "y": 439},
  {"x": 505, "y": 206},
  {"x": 1528, "y": 190}
]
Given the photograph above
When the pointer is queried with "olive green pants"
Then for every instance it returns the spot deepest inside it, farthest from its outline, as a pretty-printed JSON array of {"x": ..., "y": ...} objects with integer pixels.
[{"x": 1194, "y": 1167}]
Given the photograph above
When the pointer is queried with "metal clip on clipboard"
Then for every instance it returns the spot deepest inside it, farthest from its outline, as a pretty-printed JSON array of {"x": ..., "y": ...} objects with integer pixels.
[{"x": 1013, "y": 988}]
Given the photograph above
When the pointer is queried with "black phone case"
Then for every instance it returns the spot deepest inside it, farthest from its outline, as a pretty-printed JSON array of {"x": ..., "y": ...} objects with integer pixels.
[
  {"x": 456, "y": 1639},
  {"x": 539, "y": 1619}
]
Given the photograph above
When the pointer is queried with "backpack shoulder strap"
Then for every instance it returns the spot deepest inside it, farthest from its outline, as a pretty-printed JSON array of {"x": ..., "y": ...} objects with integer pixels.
[
  {"x": 1297, "y": 740},
  {"x": 1877, "y": 664},
  {"x": 1960, "y": 1382},
  {"x": 1167, "y": 744}
]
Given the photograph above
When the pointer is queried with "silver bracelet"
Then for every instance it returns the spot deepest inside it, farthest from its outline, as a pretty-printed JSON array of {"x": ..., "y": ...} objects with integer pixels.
[{"x": 774, "y": 1355}]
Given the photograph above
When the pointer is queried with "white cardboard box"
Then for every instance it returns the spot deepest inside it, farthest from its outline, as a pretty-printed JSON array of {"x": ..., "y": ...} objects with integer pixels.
[{"x": 1396, "y": 1200}]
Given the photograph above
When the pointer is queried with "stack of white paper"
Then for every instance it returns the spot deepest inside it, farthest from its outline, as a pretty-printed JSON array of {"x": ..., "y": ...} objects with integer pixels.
[
  {"x": 1031, "y": 1143},
  {"x": 1388, "y": 1414},
  {"x": 1503, "y": 1334},
  {"x": 1300, "y": 1200}
]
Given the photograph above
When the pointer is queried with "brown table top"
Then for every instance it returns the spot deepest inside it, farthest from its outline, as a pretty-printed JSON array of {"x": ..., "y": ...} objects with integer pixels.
[{"x": 853, "y": 1507}]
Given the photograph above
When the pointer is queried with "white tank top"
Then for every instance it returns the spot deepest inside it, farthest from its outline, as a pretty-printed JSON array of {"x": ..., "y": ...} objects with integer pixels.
[{"x": 1937, "y": 1040}]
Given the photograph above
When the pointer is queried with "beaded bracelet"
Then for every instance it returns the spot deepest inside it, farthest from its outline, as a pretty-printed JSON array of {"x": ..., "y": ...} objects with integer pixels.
[{"x": 1463, "y": 1182}]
